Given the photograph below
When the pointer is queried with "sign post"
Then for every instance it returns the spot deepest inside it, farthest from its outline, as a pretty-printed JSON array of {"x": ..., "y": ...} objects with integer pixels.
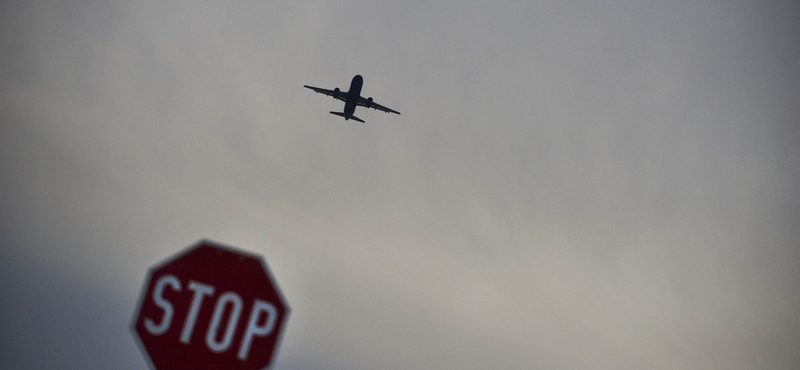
[{"x": 210, "y": 307}]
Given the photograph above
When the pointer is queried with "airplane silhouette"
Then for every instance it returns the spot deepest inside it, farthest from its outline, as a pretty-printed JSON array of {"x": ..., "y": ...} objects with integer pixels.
[{"x": 352, "y": 99}]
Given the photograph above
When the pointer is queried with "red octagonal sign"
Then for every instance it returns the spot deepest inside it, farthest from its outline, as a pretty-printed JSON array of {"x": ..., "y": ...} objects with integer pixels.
[{"x": 210, "y": 307}]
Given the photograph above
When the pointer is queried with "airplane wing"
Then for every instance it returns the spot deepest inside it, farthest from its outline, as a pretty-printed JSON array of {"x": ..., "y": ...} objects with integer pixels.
[
  {"x": 368, "y": 103},
  {"x": 336, "y": 94}
]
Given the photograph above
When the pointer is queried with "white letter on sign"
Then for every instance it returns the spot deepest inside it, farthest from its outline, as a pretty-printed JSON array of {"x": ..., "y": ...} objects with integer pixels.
[
  {"x": 236, "y": 301},
  {"x": 253, "y": 329},
  {"x": 200, "y": 290},
  {"x": 159, "y": 300}
]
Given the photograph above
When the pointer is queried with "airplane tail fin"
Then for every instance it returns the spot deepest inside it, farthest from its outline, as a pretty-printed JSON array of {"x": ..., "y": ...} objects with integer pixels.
[{"x": 340, "y": 114}]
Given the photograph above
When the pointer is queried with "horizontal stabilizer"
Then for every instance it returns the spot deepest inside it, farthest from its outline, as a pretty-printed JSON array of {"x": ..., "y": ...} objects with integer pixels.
[{"x": 340, "y": 114}]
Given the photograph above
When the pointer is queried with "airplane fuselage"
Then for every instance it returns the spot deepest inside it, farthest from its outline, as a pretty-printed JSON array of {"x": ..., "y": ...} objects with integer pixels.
[{"x": 353, "y": 95}]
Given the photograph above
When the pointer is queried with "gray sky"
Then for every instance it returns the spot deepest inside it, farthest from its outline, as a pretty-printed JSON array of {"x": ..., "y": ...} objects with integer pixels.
[{"x": 569, "y": 186}]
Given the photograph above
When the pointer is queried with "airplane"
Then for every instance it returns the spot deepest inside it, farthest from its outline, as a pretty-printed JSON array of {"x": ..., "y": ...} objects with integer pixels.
[{"x": 352, "y": 99}]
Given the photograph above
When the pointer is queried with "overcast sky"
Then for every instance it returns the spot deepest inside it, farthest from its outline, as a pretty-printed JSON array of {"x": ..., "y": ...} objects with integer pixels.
[{"x": 571, "y": 184}]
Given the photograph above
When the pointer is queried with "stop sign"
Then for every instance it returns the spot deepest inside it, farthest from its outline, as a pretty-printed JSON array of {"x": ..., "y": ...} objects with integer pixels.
[{"x": 210, "y": 307}]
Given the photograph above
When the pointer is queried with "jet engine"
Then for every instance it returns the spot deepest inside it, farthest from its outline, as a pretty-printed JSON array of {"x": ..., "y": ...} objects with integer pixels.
[
  {"x": 336, "y": 90},
  {"x": 369, "y": 102}
]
